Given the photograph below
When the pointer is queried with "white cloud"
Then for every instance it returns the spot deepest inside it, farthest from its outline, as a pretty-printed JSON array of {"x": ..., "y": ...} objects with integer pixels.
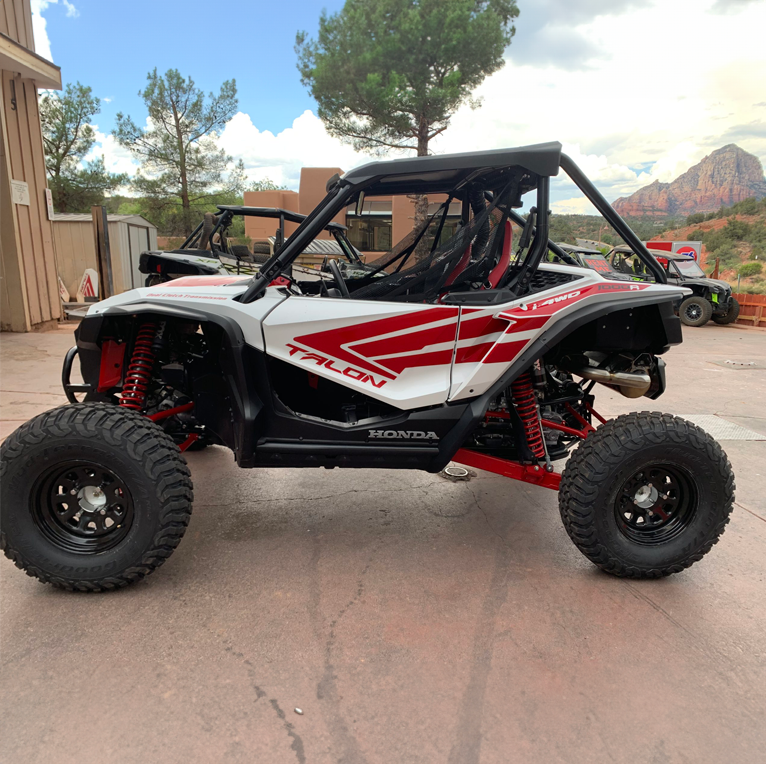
[
  {"x": 39, "y": 31},
  {"x": 280, "y": 157},
  {"x": 106, "y": 100},
  {"x": 39, "y": 24},
  {"x": 116, "y": 158}
]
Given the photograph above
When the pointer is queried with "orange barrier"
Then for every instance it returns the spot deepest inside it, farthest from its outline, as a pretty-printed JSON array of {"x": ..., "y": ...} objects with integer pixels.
[{"x": 752, "y": 309}]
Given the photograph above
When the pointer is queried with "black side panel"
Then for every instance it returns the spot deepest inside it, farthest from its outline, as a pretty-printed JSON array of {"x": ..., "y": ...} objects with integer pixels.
[
  {"x": 155, "y": 263},
  {"x": 408, "y": 440}
]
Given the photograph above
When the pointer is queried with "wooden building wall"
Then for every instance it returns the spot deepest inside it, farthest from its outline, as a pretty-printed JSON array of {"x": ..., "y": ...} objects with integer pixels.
[
  {"x": 29, "y": 293},
  {"x": 76, "y": 250}
]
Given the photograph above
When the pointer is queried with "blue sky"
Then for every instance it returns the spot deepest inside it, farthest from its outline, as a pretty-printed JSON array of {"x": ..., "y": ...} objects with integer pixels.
[
  {"x": 111, "y": 46},
  {"x": 636, "y": 90}
]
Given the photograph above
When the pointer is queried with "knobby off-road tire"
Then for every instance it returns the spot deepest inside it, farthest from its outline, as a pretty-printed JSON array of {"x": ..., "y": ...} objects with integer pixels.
[
  {"x": 731, "y": 315},
  {"x": 121, "y": 475},
  {"x": 695, "y": 311},
  {"x": 678, "y": 474},
  {"x": 262, "y": 248}
]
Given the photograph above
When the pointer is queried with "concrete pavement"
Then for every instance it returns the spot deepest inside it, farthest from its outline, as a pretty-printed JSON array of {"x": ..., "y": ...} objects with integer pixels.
[{"x": 410, "y": 618}]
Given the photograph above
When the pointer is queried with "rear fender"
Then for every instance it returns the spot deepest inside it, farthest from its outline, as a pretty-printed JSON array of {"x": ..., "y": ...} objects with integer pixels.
[
  {"x": 587, "y": 321},
  {"x": 229, "y": 402}
]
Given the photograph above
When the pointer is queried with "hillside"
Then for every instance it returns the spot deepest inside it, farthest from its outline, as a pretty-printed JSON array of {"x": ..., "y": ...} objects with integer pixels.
[
  {"x": 723, "y": 178},
  {"x": 735, "y": 235}
]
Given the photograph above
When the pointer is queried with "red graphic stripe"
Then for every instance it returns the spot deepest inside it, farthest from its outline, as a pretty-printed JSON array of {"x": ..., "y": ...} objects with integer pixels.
[
  {"x": 505, "y": 352},
  {"x": 478, "y": 327},
  {"x": 331, "y": 342},
  {"x": 437, "y": 358},
  {"x": 405, "y": 343},
  {"x": 473, "y": 354}
]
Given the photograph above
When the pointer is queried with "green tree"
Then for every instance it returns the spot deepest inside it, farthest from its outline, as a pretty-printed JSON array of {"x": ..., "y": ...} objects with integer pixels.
[
  {"x": 748, "y": 270},
  {"x": 265, "y": 184},
  {"x": 390, "y": 74},
  {"x": 182, "y": 167},
  {"x": 695, "y": 218},
  {"x": 68, "y": 137}
]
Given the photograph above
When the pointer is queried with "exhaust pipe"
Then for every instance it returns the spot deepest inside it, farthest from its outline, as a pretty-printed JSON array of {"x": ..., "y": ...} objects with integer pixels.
[{"x": 631, "y": 385}]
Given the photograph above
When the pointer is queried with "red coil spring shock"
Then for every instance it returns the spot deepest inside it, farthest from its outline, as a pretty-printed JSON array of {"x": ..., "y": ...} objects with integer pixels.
[
  {"x": 526, "y": 404},
  {"x": 140, "y": 370}
]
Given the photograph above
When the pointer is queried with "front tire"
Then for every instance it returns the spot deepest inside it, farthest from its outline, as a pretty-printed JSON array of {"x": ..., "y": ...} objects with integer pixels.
[
  {"x": 646, "y": 495},
  {"x": 731, "y": 315},
  {"x": 695, "y": 311},
  {"x": 94, "y": 497}
]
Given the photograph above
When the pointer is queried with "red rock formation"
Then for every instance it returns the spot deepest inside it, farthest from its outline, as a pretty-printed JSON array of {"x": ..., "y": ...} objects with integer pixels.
[{"x": 725, "y": 177}]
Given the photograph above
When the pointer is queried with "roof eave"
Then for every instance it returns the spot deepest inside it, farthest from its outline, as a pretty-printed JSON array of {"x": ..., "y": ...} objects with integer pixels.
[{"x": 20, "y": 60}]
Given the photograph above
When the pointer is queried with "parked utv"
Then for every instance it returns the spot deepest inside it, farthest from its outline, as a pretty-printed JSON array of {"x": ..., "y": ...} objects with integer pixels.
[
  {"x": 710, "y": 298},
  {"x": 456, "y": 347},
  {"x": 586, "y": 257},
  {"x": 208, "y": 250}
]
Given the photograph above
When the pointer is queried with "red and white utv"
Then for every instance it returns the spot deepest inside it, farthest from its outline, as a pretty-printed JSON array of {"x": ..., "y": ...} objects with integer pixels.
[{"x": 454, "y": 346}]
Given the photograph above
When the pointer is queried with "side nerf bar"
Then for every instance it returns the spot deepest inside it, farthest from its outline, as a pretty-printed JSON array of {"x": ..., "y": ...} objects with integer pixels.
[{"x": 66, "y": 373}]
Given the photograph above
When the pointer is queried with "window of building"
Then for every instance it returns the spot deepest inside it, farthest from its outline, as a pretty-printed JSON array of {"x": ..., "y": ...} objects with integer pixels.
[{"x": 370, "y": 233}]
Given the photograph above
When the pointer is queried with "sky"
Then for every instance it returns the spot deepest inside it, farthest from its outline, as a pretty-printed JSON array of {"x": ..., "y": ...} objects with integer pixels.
[{"x": 636, "y": 90}]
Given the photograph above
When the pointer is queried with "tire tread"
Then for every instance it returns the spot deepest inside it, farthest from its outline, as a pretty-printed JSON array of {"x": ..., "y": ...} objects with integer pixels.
[
  {"x": 144, "y": 442},
  {"x": 601, "y": 453}
]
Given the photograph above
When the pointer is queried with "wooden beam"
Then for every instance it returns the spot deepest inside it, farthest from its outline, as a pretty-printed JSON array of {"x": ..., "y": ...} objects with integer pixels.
[
  {"x": 14, "y": 57},
  {"x": 103, "y": 254}
]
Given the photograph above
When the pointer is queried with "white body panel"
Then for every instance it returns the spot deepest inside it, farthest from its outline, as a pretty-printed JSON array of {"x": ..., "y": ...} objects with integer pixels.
[
  {"x": 215, "y": 294},
  {"x": 408, "y": 355}
]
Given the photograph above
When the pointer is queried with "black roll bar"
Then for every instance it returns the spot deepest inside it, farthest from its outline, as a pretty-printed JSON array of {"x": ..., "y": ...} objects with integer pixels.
[
  {"x": 301, "y": 238},
  {"x": 602, "y": 205}
]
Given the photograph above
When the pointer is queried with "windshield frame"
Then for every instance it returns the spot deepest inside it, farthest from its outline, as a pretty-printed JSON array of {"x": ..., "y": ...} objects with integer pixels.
[{"x": 700, "y": 274}]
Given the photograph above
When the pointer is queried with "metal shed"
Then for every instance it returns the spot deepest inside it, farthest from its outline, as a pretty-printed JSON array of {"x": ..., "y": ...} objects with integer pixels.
[{"x": 129, "y": 236}]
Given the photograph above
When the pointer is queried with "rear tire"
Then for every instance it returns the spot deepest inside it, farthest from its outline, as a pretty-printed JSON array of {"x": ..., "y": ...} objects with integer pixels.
[
  {"x": 731, "y": 315},
  {"x": 695, "y": 311},
  {"x": 646, "y": 495},
  {"x": 94, "y": 497}
]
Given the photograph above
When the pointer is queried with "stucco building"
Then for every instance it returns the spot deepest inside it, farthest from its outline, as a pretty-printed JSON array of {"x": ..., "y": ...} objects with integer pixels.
[
  {"x": 384, "y": 220},
  {"x": 29, "y": 293}
]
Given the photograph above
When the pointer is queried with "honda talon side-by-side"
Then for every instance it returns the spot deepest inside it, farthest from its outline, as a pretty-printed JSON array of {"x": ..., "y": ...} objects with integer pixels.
[{"x": 460, "y": 344}]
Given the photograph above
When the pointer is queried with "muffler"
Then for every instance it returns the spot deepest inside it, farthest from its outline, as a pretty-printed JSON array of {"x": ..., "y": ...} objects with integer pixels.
[{"x": 630, "y": 384}]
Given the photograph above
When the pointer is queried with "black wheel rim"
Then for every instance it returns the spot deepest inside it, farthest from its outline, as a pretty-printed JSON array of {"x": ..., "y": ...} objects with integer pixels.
[
  {"x": 656, "y": 504},
  {"x": 693, "y": 312},
  {"x": 83, "y": 507}
]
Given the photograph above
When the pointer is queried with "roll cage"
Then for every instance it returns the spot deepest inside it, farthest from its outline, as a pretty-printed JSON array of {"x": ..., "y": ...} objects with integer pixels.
[
  {"x": 521, "y": 170},
  {"x": 226, "y": 213}
]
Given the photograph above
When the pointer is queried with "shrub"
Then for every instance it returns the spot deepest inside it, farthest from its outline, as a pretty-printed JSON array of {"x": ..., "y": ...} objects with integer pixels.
[
  {"x": 736, "y": 230},
  {"x": 714, "y": 240},
  {"x": 697, "y": 235},
  {"x": 748, "y": 270},
  {"x": 697, "y": 217},
  {"x": 746, "y": 206},
  {"x": 757, "y": 233},
  {"x": 758, "y": 252},
  {"x": 728, "y": 255}
]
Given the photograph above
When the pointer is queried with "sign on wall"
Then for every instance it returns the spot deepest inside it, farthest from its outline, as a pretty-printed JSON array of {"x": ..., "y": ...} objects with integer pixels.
[
  {"x": 689, "y": 248},
  {"x": 49, "y": 203},
  {"x": 20, "y": 192}
]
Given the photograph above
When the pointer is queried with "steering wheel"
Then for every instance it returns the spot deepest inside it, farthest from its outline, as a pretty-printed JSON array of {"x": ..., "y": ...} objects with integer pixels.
[{"x": 338, "y": 278}]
